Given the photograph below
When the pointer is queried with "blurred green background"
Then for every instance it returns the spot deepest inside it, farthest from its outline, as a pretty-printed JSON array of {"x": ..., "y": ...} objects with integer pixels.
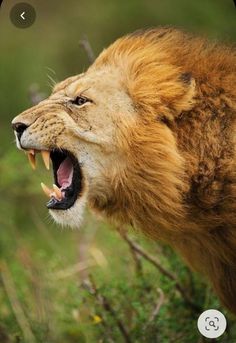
[{"x": 88, "y": 285}]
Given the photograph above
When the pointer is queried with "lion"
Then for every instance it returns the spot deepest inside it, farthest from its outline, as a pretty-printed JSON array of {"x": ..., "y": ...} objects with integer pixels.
[{"x": 147, "y": 137}]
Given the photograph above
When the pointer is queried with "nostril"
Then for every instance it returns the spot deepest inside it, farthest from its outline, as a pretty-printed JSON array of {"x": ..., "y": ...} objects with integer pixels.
[{"x": 19, "y": 128}]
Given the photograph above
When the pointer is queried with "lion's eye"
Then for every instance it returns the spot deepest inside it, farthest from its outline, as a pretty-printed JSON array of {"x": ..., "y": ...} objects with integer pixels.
[{"x": 80, "y": 100}]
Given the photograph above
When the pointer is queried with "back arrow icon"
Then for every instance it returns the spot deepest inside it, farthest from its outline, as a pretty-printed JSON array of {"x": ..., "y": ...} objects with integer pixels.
[{"x": 22, "y": 15}]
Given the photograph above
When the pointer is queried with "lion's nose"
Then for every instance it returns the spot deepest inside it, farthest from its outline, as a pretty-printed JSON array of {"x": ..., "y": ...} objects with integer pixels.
[{"x": 19, "y": 128}]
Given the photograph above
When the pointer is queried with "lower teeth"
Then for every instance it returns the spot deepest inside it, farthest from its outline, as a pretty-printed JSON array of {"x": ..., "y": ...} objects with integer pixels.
[{"x": 55, "y": 192}]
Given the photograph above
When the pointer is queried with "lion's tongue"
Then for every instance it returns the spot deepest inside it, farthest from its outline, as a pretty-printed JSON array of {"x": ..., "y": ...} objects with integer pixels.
[{"x": 65, "y": 173}]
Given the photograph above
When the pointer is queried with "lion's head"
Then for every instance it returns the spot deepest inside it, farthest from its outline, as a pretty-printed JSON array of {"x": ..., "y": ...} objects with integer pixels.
[
  {"x": 108, "y": 133},
  {"x": 146, "y": 136}
]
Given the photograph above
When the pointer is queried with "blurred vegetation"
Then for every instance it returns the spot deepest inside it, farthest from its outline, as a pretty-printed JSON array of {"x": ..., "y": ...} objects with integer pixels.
[{"x": 89, "y": 285}]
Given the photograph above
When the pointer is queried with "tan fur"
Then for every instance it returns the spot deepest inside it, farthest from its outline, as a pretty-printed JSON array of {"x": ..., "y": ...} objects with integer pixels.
[{"x": 157, "y": 146}]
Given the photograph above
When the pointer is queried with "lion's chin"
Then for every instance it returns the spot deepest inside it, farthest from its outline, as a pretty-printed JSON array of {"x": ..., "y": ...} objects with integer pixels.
[{"x": 73, "y": 216}]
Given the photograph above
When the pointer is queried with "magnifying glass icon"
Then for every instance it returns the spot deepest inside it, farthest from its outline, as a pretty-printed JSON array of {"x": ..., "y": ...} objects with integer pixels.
[{"x": 212, "y": 323}]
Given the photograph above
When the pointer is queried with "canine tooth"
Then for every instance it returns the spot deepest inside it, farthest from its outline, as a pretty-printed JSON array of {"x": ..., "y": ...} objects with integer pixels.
[
  {"x": 46, "y": 158},
  {"x": 32, "y": 160},
  {"x": 31, "y": 151},
  {"x": 55, "y": 196},
  {"x": 57, "y": 192},
  {"x": 46, "y": 190}
]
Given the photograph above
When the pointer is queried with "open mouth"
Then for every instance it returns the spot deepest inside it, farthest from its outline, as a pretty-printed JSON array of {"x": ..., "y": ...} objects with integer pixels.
[{"x": 67, "y": 174}]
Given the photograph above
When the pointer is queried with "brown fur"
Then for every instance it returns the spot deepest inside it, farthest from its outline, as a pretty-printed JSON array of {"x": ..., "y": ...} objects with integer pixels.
[{"x": 169, "y": 165}]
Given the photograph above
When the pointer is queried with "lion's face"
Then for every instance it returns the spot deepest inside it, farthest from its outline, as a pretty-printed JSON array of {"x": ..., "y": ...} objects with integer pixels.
[
  {"x": 110, "y": 135},
  {"x": 80, "y": 128}
]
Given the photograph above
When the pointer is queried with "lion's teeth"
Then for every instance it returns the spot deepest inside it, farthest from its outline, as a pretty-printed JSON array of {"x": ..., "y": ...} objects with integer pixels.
[
  {"x": 31, "y": 151},
  {"x": 32, "y": 161},
  {"x": 57, "y": 192},
  {"x": 46, "y": 190},
  {"x": 46, "y": 158},
  {"x": 54, "y": 195}
]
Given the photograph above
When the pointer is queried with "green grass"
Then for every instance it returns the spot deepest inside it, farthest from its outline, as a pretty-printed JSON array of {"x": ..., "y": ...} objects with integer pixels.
[{"x": 38, "y": 260}]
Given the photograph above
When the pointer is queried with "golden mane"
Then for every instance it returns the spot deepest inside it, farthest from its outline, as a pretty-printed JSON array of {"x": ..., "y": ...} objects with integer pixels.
[{"x": 180, "y": 183}]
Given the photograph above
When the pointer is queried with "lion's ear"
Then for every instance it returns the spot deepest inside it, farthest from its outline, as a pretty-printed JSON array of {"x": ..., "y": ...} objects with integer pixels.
[
  {"x": 162, "y": 89},
  {"x": 184, "y": 100}
]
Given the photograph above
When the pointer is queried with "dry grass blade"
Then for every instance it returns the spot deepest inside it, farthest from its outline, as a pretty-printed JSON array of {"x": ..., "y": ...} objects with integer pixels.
[
  {"x": 72, "y": 270},
  {"x": 10, "y": 289},
  {"x": 84, "y": 43},
  {"x": 90, "y": 285},
  {"x": 157, "y": 308},
  {"x": 183, "y": 292}
]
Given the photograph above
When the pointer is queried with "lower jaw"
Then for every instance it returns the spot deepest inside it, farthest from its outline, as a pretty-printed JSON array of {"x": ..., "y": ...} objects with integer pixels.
[{"x": 73, "y": 216}]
